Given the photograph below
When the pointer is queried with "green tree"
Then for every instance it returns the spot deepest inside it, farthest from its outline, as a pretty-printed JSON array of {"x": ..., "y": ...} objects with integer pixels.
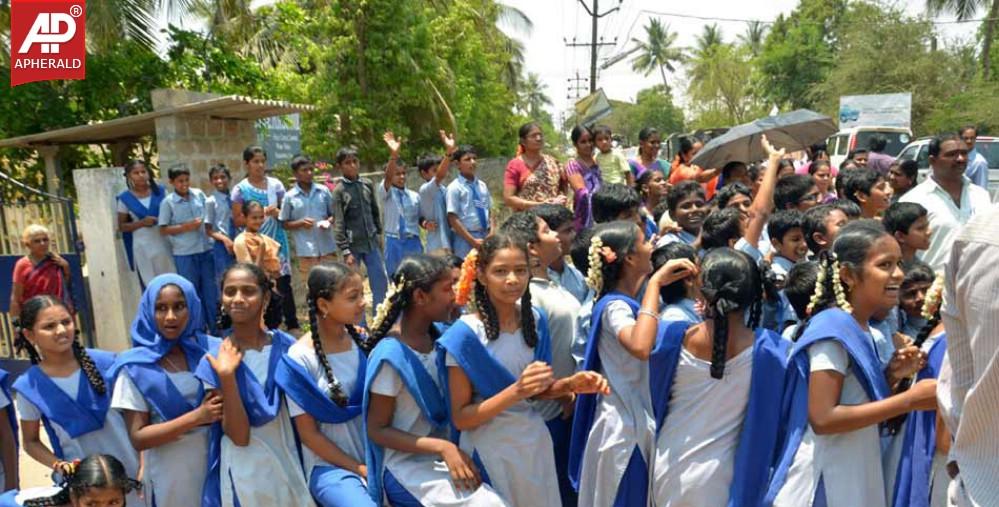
[
  {"x": 657, "y": 51},
  {"x": 709, "y": 39},
  {"x": 752, "y": 39},
  {"x": 968, "y": 9},
  {"x": 653, "y": 107},
  {"x": 533, "y": 98},
  {"x": 719, "y": 87}
]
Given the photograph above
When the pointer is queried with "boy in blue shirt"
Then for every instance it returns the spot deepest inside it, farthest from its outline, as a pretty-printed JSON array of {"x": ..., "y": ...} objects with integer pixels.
[
  {"x": 306, "y": 212},
  {"x": 220, "y": 225},
  {"x": 559, "y": 219},
  {"x": 468, "y": 204},
  {"x": 183, "y": 220},
  {"x": 787, "y": 235},
  {"x": 401, "y": 219},
  {"x": 433, "y": 197}
]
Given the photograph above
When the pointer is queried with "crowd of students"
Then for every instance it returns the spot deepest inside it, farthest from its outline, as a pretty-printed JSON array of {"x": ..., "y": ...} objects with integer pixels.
[{"x": 742, "y": 336}]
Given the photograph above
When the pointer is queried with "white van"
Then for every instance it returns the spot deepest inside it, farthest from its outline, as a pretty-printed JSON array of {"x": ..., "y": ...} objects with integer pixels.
[{"x": 841, "y": 144}]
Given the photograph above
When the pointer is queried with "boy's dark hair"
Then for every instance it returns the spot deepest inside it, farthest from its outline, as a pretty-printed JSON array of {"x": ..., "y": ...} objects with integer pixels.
[
  {"x": 782, "y": 222},
  {"x": 682, "y": 191},
  {"x": 219, "y": 168},
  {"x": 754, "y": 171},
  {"x": 917, "y": 271},
  {"x": 674, "y": 292},
  {"x": 463, "y": 150},
  {"x": 178, "y": 171},
  {"x": 721, "y": 227},
  {"x": 732, "y": 166},
  {"x": 344, "y": 153},
  {"x": 848, "y": 207},
  {"x": 523, "y": 225},
  {"x": 814, "y": 220},
  {"x": 601, "y": 129},
  {"x": 791, "y": 189},
  {"x": 910, "y": 168},
  {"x": 729, "y": 191},
  {"x": 800, "y": 285},
  {"x": 661, "y": 209},
  {"x": 427, "y": 162},
  {"x": 862, "y": 180},
  {"x": 300, "y": 161},
  {"x": 554, "y": 215},
  {"x": 900, "y": 216},
  {"x": 612, "y": 201}
]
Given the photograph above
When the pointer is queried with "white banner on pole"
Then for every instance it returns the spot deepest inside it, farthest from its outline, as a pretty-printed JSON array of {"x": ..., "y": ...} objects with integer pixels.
[{"x": 887, "y": 110}]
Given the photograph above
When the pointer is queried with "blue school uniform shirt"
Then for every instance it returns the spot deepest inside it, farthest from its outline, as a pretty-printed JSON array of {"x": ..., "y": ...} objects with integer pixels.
[
  {"x": 571, "y": 280},
  {"x": 781, "y": 265},
  {"x": 673, "y": 237},
  {"x": 460, "y": 202},
  {"x": 400, "y": 211},
  {"x": 316, "y": 204},
  {"x": 219, "y": 213},
  {"x": 433, "y": 207},
  {"x": 176, "y": 210},
  {"x": 883, "y": 332},
  {"x": 683, "y": 311}
]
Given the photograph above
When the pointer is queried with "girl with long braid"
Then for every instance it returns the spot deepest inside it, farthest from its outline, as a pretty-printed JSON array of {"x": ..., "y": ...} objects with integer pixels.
[
  {"x": 323, "y": 377},
  {"x": 716, "y": 393},
  {"x": 837, "y": 396},
  {"x": 613, "y": 435},
  {"x": 494, "y": 364},
  {"x": 163, "y": 403},
  {"x": 252, "y": 456},
  {"x": 410, "y": 460},
  {"x": 66, "y": 390}
]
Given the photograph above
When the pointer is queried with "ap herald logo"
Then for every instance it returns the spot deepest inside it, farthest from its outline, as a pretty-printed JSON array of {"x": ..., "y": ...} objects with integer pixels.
[{"x": 47, "y": 40}]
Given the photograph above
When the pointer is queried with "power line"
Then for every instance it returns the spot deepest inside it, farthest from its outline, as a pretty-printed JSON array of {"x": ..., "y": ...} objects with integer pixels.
[
  {"x": 595, "y": 46},
  {"x": 765, "y": 22}
]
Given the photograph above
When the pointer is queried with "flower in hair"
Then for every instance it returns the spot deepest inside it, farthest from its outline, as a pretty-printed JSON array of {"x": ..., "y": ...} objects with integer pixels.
[
  {"x": 386, "y": 305},
  {"x": 466, "y": 280},
  {"x": 594, "y": 275},
  {"x": 608, "y": 254},
  {"x": 934, "y": 296}
]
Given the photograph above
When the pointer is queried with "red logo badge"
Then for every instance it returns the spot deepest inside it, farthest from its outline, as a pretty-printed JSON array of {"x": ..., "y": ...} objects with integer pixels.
[{"x": 47, "y": 40}]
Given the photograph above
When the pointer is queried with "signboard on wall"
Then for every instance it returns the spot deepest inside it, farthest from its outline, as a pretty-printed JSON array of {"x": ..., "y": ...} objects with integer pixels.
[
  {"x": 593, "y": 107},
  {"x": 281, "y": 137},
  {"x": 887, "y": 110}
]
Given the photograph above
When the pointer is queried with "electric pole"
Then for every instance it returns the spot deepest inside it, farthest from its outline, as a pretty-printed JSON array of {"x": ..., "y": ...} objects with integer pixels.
[
  {"x": 576, "y": 86},
  {"x": 594, "y": 45}
]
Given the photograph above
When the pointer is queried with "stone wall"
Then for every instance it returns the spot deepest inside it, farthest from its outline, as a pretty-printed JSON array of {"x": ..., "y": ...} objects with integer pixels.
[{"x": 199, "y": 141}]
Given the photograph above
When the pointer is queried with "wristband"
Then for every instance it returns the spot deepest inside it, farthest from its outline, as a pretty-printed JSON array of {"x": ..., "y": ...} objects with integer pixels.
[{"x": 650, "y": 314}]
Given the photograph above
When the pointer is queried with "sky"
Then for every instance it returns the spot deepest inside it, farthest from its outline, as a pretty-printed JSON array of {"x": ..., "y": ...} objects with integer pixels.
[{"x": 548, "y": 56}]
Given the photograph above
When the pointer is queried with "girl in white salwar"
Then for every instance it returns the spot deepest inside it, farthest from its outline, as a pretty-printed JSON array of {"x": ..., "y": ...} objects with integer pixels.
[
  {"x": 138, "y": 210},
  {"x": 496, "y": 413},
  {"x": 253, "y": 456},
  {"x": 716, "y": 435},
  {"x": 613, "y": 435},
  {"x": 410, "y": 461},
  {"x": 163, "y": 403},
  {"x": 837, "y": 394}
]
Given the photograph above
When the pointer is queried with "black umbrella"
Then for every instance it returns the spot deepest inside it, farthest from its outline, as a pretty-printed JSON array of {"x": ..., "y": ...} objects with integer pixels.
[{"x": 792, "y": 131}]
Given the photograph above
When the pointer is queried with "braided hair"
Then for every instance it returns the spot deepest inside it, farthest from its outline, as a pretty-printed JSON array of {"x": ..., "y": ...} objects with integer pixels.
[
  {"x": 490, "y": 319},
  {"x": 29, "y": 317},
  {"x": 326, "y": 280},
  {"x": 95, "y": 471},
  {"x": 415, "y": 272},
  {"x": 732, "y": 283}
]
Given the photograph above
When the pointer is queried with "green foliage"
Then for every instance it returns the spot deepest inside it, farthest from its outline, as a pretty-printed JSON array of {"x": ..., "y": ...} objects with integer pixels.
[
  {"x": 658, "y": 51},
  {"x": 652, "y": 108},
  {"x": 719, "y": 87}
]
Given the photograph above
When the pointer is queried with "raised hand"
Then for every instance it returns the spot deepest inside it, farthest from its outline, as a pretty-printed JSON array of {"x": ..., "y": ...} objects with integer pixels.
[
  {"x": 392, "y": 142},
  {"x": 228, "y": 359},
  {"x": 769, "y": 148},
  {"x": 676, "y": 269},
  {"x": 449, "y": 144}
]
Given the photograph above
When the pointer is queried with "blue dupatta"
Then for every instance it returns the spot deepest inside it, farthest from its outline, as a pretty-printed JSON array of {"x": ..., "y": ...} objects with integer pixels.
[
  {"x": 912, "y": 482},
  {"x": 79, "y": 415},
  {"x": 262, "y": 404},
  {"x": 830, "y": 324},
  {"x": 301, "y": 387},
  {"x": 131, "y": 202},
  {"x": 421, "y": 386},
  {"x": 149, "y": 346},
  {"x": 758, "y": 437},
  {"x": 11, "y": 413}
]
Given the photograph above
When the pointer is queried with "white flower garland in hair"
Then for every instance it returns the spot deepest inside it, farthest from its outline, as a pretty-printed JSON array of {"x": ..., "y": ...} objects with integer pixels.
[
  {"x": 841, "y": 300},
  {"x": 386, "y": 306},
  {"x": 934, "y": 297},
  {"x": 594, "y": 275},
  {"x": 820, "y": 280}
]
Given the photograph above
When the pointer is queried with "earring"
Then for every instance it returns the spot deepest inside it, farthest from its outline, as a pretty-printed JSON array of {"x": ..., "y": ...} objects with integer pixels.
[{"x": 324, "y": 315}]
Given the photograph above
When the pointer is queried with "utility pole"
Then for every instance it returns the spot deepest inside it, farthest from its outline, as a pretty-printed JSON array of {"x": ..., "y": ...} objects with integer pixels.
[
  {"x": 576, "y": 86},
  {"x": 594, "y": 45}
]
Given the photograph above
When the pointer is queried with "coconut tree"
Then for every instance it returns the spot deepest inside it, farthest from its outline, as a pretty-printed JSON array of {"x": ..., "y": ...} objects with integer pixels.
[
  {"x": 657, "y": 51},
  {"x": 968, "y": 9},
  {"x": 533, "y": 98},
  {"x": 752, "y": 38},
  {"x": 710, "y": 38}
]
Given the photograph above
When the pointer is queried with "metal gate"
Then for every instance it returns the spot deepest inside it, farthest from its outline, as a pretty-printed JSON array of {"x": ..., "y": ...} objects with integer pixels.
[{"x": 20, "y": 206}]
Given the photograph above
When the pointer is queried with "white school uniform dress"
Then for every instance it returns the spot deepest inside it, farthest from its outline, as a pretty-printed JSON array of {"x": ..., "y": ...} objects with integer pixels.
[
  {"x": 348, "y": 436},
  {"x": 695, "y": 449},
  {"x": 150, "y": 250},
  {"x": 424, "y": 476},
  {"x": 849, "y": 464},
  {"x": 623, "y": 419},
  {"x": 515, "y": 446},
  {"x": 267, "y": 472},
  {"x": 111, "y": 439},
  {"x": 173, "y": 473}
]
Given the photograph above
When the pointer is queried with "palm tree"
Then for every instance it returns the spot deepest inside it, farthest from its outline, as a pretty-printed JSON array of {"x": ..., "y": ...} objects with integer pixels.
[
  {"x": 532, "y": 96},
  {"x": 710, "y": 37},
  {"x": 967, "y": 9},
  {"x": 753, "y": 38},
  {"x": 517, "y": 21},
  {"x": 657, "y": 51}
]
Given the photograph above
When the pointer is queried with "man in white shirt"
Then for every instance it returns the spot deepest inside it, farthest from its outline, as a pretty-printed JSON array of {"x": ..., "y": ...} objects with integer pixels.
[
  {"x": 970, "y": 394},
  {"x": 948, "y": 195}
]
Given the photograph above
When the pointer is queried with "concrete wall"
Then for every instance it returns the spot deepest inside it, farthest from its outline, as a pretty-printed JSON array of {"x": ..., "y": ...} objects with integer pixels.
[
  {"x": 199, "y": 141},
  {"x": 114, "y": 289}
]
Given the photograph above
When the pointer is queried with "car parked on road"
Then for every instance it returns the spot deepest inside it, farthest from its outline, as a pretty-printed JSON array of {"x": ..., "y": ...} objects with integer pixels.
[{"x": 840, "y": 145}]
